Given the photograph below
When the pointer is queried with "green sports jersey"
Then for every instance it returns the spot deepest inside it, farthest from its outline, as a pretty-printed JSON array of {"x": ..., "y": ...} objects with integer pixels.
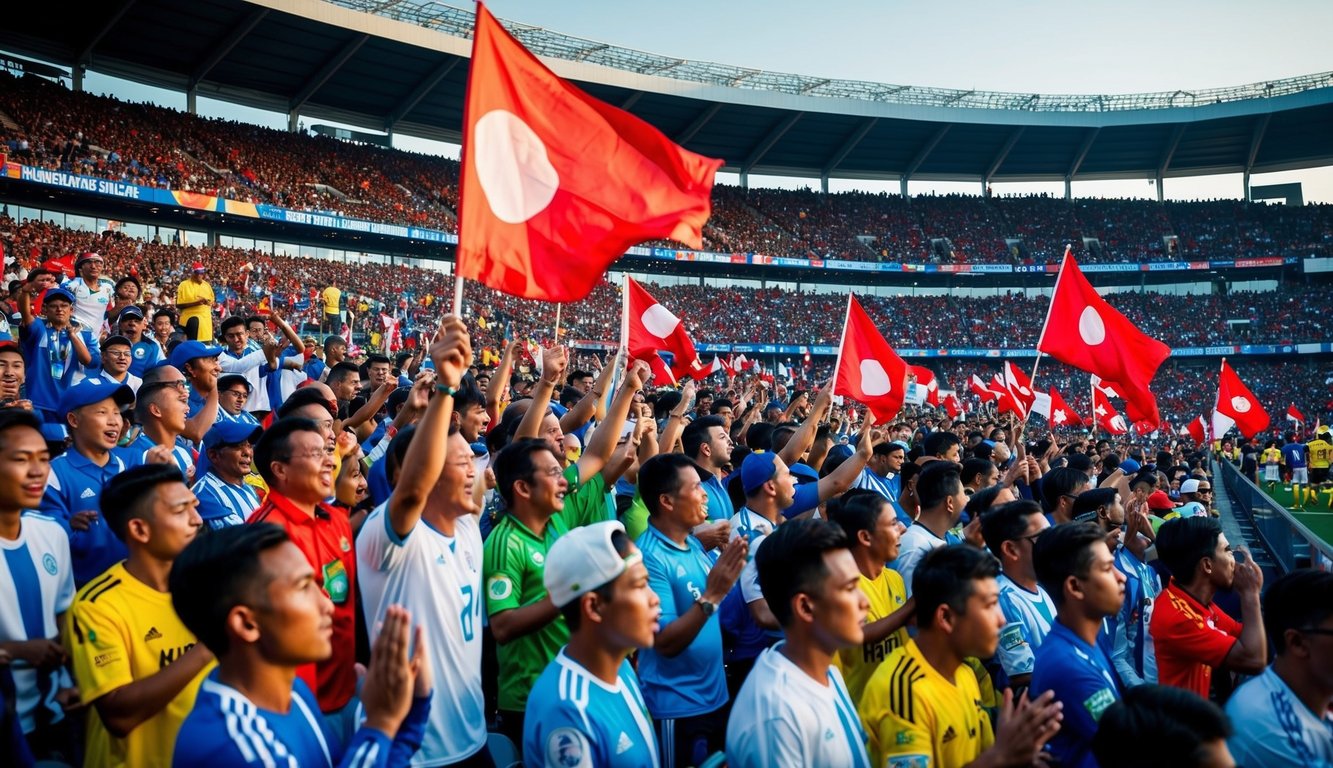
[{"x": 514, "y": 563}]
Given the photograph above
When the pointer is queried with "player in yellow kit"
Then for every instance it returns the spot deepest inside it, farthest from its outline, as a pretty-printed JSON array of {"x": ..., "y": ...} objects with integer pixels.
[{"x": 1321, "y": 452}]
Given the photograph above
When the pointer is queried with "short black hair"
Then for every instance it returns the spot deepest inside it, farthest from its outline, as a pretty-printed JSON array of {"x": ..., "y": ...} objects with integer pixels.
[
  {"x": 276, "y": 443},
  {"x": 341, "y": 371},
  {"x": 575, "y": 375},
  {"x": 945, "y": 576},
  {"x": 719, "y": 403},
  {"x": 1062, "y": 551},
  {"x": 790, "y": 561},
  {"x": 570, "y": 396},
  {"x": 19, "y": 417},
  {"x": 230, "y": 323},
  {"x": 1184, "y": 541},
  {"x": 939, "y": 442},
  {"x": 857, "y": 510},
  {"x": 661, "y": 474},
  {"x": 1006, "y": 522},
  {"x": 759, "y": 436},
  {"x": 571, "y": 611},
  {"x": 514, "y": 462},
  {"x": 1060, "y": 482},
  {"x": 938, "y": 481},
  {"x": 469, "y": 395},
  {"x": 1158, "y": 726},
  {"x": 696, "y": 434},
  {"x": 216, "y": 573},
  {"x": 130, "y": 494},
  {"x": 300, "y": 399},
  {"x": 168, "y": 314},
  {"x": 1299, "y": 600},
  {"x": 982, "y": 500},
  {"x": 974, "y": 468}
]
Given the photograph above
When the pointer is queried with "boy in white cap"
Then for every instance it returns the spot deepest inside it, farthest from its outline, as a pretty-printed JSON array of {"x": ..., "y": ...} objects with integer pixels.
[{"x": 586, "y": 709}]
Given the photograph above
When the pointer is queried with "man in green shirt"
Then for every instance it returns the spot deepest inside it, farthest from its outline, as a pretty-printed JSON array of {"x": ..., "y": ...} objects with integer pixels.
[{"x": 545, "y": 496}]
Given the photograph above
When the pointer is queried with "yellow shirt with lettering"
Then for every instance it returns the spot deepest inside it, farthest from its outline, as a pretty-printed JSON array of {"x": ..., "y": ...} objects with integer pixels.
[
  {"x": 1321, "y": 451},
  {"x": 120, "y": 631},
  {"x": 886, "y": 593},
  {"x": 332, "y": 300}
]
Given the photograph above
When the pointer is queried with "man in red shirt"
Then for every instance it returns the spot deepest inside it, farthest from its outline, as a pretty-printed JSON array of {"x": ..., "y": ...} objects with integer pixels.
[
  {"x": 294, "y": 459},
  {"x": 1190, "y": 634}
]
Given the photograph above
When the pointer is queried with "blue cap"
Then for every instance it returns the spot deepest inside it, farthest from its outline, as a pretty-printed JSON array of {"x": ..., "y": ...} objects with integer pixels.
[
  {"x": 94, "y": 389},
  {"x": 232, "y": 433},
  {"x": 1130, "y": 466},
  {"x": 804, "y": 473},
  {"x": 190, "y": 350},
  {"x": 57, "y": 293},
  {"x": 757, "y": 469},
  {"x": 131, "y": 311},
  {"x": 775, "y": 404}
]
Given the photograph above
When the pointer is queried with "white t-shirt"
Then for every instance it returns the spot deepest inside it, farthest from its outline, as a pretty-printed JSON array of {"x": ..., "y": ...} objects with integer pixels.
[
  {"x": 1273, "y": 727},
  {"x": 248, "y": 365},
  {"x": 438, "y": 579},
  {"x": 36, "y": 563},
  {"x": 1028, "y": 617},
  {"x": 782, "y": 717},
  {"x": 90, "y": 305},
  {"x": 917, "y": 542}
]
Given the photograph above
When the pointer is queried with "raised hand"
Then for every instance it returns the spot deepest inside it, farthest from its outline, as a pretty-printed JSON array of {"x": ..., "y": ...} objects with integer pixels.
[
  {"x": 451, "y": 351},
  {"x": 1025, "y": 727},
  {"x": 391, "y": 675},
  {"x": 727, "y": 569}
]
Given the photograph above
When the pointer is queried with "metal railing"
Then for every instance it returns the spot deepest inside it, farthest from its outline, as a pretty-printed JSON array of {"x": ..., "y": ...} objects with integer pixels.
[{"x": 1291, "y": 544}]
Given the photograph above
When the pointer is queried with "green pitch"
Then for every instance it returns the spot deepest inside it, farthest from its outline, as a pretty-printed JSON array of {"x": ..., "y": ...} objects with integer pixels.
[{"x": 1317, "y": 516}]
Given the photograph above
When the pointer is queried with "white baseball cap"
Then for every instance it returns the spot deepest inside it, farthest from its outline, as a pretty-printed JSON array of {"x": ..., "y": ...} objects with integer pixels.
[
  {"x": 1190, "y": 486},
  {"x": 583, "y": 560}
]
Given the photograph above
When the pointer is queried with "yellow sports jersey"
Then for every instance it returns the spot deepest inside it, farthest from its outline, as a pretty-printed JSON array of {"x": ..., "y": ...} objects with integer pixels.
[
  {"x": 918, "y": 719},
  {"x": 1271, "y": 456},
  {"x": 123, "y": 630},
  {"x": 189, "y": 291},
  {"x": 886, "y": 594},
  {"x": 332, "y": 300},
  {"x": 1320, "y": 452}
]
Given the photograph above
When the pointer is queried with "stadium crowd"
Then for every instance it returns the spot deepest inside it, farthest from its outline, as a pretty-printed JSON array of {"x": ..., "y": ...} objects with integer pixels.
[{"x": 53, "y": 127}]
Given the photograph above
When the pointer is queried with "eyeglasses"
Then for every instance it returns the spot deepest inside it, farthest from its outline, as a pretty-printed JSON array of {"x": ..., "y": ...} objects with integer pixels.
[
  {"x": 115, "y": 353},
  {"x": 236, "y": 392},
  {"x": 1032, "y": 538}
]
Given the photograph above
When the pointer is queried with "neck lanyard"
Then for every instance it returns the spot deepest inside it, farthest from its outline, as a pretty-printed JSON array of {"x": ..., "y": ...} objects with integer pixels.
[{"x": 57, "y": 351}]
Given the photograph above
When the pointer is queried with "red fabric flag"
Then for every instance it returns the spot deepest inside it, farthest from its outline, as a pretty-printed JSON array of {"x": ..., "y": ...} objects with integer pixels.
[
  {"x": 1105, "y": 415},
  {"x": 980, "y": 389},
  {"x": 1004, "y": 399},
  {"x": 952, "y": 406},
  {"x": 1237, "y": 404},
  {"x": 556, "y": 184},
  {"x": 1084, "y": 331},
  {"x": 868, "y": 370},
  {"x": 704, "y": 371},
  {"x": 653, "y": 329},
  {"x": 1019, "y": 386},
  {"x": 925, "y": 378},
  {"x": 728, "y": 367},
  {"x": 1295, "y": 415},
  {"x": 1061, "y": 414},
  {"x": 1196, "y": 430}
]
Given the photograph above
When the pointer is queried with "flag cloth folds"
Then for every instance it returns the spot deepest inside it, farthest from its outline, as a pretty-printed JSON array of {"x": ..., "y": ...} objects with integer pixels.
[
  {"x": 652, "y": 329},
  {"x": 1104, "y": 414},
  {"x": 1197, "y": 430},
  {"x": 1019, "y": 386},
  {"x": 1295, "y": 415},
  {"x": 925, "y": 379},
  {"x": 980, "y": 389},
  {"x": 1060, "y": 414},
  {"x": 952, "y": 406},
  {"x": 1084, "y": 331},
  {"x": 1005, "y": 400},
  {"x": 556, "y": 184},
  {"x": 868, "y": 370},
  {"x": 1237, "y": 405}
]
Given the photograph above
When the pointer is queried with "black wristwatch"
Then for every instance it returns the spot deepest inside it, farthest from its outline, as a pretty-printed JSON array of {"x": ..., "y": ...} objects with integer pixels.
[{"x": 707, "y": 606}]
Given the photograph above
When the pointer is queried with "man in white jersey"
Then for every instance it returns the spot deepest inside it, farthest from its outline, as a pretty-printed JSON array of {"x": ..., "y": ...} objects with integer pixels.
[
  {"x": 586, "y": 709},
  {"x": 92, "y": 292},
  {"x": 1010, "y": 531},
  {"x": 939, "y": 490},
  {"x": 422, "y": 550},
  {"x": 793, "y": 708},
  {"x": 1285, "y": 715}
]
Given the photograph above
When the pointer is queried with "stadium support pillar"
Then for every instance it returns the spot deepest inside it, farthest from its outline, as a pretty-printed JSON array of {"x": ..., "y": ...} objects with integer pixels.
[
  {"x": 191, "y": 99},
  {"x": 902, "y": 186},
  {"x": 823, "y": 183},
  {"x": 745, "y": 180},
  {"x": 1245, "y": 187},
  {"x": 77, "y": 72},
  {"x": 293, "y": 119},
  {"x": 1069, "y": 189},
  {"x": 1161, "y": 193}
]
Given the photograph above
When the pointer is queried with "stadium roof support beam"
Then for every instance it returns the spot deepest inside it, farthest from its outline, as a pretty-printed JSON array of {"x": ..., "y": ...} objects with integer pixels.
[
  {"x": 1167, "y": 154},
  {"x": 422, "y": 90},
  {"x": 850, "y": 144},
  {"x": 325, "y": 72},
  {"x": 1077, "y": 162},
  {"x": 631, "y": 101},
  {"x": 699, "y": 122},
  {"x": 86, "y": 54},
  {"x": 225, "y": 46},
  {"x": 922, "y": 154},
  {"x": 1256, "y": 140},
  {"x": 1002, "y": 155},
  {"x": 773, "y": 137}
]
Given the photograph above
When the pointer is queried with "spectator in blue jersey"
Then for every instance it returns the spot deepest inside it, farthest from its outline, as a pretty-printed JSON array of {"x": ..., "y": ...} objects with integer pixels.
[
  {"x": 707, "y": 443},
  {"x": 1132, "y": 650},
  {"x": 56, "y": 349},
  {"x": 1011, "y": 531},
  {"x": 345, "y": 380},
  {"x": 237, "y": 357},
  {"x": 1074, "y": 563},
  {"x": 233, "y": 392},
  {"x": 199, "y": 364},
  {"x": 249, "y": 595},
  {"x": 683, "y": 679},
  {"x": 881, "y": 475},
  {"x": 225, "y": 498},
  {"x": 116, "y": 355},
  {"x": 1285, "y": 715},
  {"x": 585, "y": 708},
  {"x": 37, "y": 564},
  {"x": 92, "y": 412},
  {"x": 161, "y": 412},
  {"x": 938, "y": 493},
  {"x": 1294, "y": 458},
  {"x": 1158, "y": 726},
  {"x": 144, "y": 351},
  {"x": 794, "y": 708}
]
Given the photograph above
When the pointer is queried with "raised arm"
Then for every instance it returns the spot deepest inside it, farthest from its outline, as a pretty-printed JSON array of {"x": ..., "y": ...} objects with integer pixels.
[
  {"x": 675, "y": 425},
  {"x": 840, "y": 479},
  {"x": 586, "y": 408},
  {"x": 554, "y": 361},
  {"x": 801, "y": 440},
  {"x": 605, "y": 436},
  {"x": 499, "y": 383}
]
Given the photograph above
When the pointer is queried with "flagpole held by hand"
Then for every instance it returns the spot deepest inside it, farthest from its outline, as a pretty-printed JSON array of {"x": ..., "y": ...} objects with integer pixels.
[
  {"x": 458, "y": 295},
  {"x": 558, "y": 307}
]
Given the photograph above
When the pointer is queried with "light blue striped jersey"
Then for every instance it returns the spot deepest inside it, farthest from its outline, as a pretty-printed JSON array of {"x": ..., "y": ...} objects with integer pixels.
[
  {"x": 576, "y": 719},
  {"x": 1029, "y": 616},
  {"x": 222, "y": 504}
]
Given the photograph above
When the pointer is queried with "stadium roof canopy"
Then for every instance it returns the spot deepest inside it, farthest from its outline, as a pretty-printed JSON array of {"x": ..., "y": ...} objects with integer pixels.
[{"x": 401, "y": 66}]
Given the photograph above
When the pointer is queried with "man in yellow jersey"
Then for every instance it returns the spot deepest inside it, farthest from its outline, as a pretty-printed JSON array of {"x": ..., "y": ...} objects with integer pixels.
[
  {"x": 873, "y": 532},
  {"x": 332, "y": 298},
  {"x": 194, "y": 300},
  {"x": 1321, "y": 451},
  {"x": 1271, "y": 461},
  {"x": 134, "y": 660},
  {"x": 922, "y": 707}
]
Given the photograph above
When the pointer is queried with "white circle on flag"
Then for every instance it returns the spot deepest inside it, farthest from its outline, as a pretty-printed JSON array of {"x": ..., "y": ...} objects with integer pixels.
[
  {"x": 1241, "y": 404},
  {"x": 874, "y": 379},
  {"x": 512, "y": 166},
  {"x": 659, "y": 321},
  {"x": 1091, "y": 328}
]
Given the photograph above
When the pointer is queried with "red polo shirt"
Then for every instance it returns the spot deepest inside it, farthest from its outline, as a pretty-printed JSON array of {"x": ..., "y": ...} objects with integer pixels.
[
  {"x": 325, "y": 539},
  {"x": 1190, "y": 639}
]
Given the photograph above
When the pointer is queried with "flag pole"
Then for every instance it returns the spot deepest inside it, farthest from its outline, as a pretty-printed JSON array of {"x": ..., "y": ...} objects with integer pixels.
[
  {"x": 1092, "y": 406},
  {"x": 624, "y": 312},
  {"x": 1051, "y": 306},
  {"x": 458, "y": 293},
  {"x": 558, "y": 306},
  {"x": 1032, "y": 382},
  {"x": 842, "y": 341}
]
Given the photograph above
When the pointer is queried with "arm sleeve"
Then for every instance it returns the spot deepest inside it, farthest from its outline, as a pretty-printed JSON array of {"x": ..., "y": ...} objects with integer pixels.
[
  {"x": 749, "y": 580},
  {"x": 100, "y": 652},
  {"x": 504, "y": 575},
  {"x": 660, "y": 583},
  {"x": 1121, "y": 651},
  {"x": 1015, "y": 649},
  {"x": 899, "y": 727},
  {"x": 1085, "y": 697},
  {"x": 410, "y": 733},
  {"x": 247, "y": 362}
]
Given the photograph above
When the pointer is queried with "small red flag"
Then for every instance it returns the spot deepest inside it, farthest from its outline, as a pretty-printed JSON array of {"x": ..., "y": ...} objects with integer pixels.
[
  {"x": 1084, "y": 331},
  {"x": 653, "y": 329},
  {"x": 1004, "y": 399},
  {"x": 1061, "y": 414},
  {"x": 980, "y": 389},
  {"x": 869, "y": 371},
  {"x": 556, "y": 184},
  {"x": 952, "y": 406},
  {"x": 1105, "y": 414},
  {"x": 1236, "y": 404},
  {"x": 925, "y": 378},
  {"x": 1295, "y": 415},
  {"x": 1019, "y": 386},
  {"x": 1196, "y": 430}
]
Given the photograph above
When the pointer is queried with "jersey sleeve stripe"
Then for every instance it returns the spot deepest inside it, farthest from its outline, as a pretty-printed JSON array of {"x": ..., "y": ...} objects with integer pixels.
[
  {"x": 92, "y": 596},
  {"x": 94, "y": 585}
]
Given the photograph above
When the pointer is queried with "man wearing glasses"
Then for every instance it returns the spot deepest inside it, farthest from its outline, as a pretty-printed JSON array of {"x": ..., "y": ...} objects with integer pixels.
[
  {"x": 117, "y": 353},
  {"x": 233, "y": 392},
  {"x": 1010, "y": 531},
  {"x": 1195, "y": 496}
]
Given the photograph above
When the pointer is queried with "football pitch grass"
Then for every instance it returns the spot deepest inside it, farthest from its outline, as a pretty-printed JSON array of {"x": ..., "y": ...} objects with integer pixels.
[{"x": 1316, "y": 516}]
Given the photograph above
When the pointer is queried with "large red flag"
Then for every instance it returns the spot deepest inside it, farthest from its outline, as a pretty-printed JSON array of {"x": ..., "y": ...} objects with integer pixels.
[
  {"x": 651, "y": 329},
  {"x": 869, "y": 371},
  {"x": 1084, "y": 331},
  {"x": 1237, "y": 404},
  {"x": 556, "y": 184},
  {"x": 1105, "y": 415},
  {"x": 925, "y": 378},
  {"x": 1019, "y": 386}
]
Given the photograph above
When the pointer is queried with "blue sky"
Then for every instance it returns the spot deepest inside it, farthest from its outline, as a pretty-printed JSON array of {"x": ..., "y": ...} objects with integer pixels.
[{"x": 1040, "y": 46}]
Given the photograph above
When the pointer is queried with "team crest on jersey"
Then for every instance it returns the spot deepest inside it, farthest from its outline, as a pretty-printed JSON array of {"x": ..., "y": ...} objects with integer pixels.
[
  {"x": 538, "y": 558},
  {"x": 49, "y": 563},
  {"x": 500, "y": 587},
  {"x": 139, "y": 353},
  {"x": 345, "y": 544},
  {"x": 903, "y": 737},
  {"x": 565, "y": 748}
]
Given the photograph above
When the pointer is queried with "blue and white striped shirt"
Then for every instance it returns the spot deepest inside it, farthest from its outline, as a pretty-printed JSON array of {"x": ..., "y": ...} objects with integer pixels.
[{"x": 222, "y": 504}]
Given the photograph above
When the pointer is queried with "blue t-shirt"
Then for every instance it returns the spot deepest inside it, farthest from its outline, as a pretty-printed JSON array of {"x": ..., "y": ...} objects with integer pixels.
[
  {"x": 1292, "y": 453},
  {"x": 143, "y": 356},
  {"x": 75, "y": 485},
  {"x": 1081, "y": 676},
  {"x": 574, "y": 718},
  {"x": 52, "y": 362},
  {"x": 225, "y": 729},
  {"x": 222, "y": 504},
  {"x": 692, "y": 682},
  {"x": 1132, "y": 654},
  {"x": 134, "y": 453},
  {"x": 719, "y": 501}
]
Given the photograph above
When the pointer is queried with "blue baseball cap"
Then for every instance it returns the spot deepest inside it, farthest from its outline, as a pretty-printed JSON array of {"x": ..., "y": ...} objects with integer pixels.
[
  {"x": 757, "y": 469},
  {"x": 191, "y": 350},
  {"x": 1130, "y": 466},
  {"x": 130, "y": 311},
  {"x": 232, "y": 433},
  {"x": 804, "y": 473},
  {"x": 775, "y": 404},
  {"x": 57, "y": 293},
  {"x": 94, "y": 389}
]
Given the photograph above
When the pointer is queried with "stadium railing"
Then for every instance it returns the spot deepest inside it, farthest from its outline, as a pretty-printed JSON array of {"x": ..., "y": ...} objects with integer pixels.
[{"x": 1287, "y": 539}]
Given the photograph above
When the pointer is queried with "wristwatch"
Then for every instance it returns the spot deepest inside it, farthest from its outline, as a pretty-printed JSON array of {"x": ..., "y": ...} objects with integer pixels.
[{"x": 707, "y": 606}]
